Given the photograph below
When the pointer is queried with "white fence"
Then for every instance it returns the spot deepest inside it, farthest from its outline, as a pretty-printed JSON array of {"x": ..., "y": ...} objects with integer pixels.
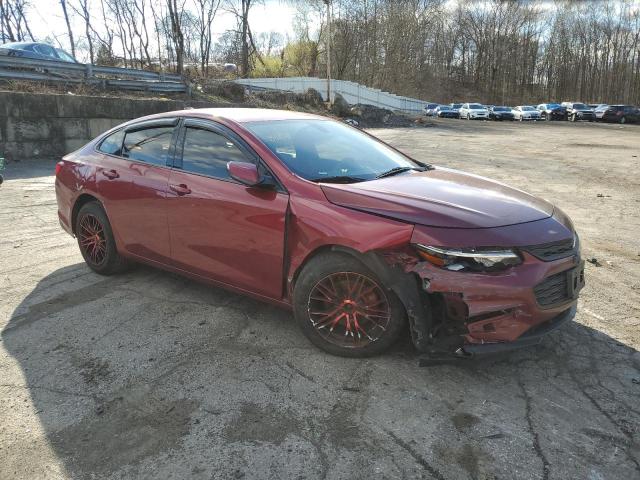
[{"x": 352, "y": 92}]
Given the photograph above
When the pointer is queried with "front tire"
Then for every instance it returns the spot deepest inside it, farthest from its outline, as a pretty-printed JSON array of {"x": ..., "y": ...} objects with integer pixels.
[
  {"x": 96, "y": 242},
  {"x": 344, "y": 309}
]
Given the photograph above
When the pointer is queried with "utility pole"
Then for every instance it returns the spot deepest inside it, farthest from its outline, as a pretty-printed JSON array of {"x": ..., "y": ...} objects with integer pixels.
[{"x": 328, "y": 4}]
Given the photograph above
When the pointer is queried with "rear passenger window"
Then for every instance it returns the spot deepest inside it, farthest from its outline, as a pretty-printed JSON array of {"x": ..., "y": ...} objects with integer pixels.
[
  {"x": 150, "y": 145},
  {"x": 112, "y": 144},
  {"x": 207, "y": 153}
]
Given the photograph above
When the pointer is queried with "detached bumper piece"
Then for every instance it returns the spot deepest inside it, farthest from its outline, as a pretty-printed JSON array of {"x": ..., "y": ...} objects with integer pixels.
[{"x": 528, "y": 339}]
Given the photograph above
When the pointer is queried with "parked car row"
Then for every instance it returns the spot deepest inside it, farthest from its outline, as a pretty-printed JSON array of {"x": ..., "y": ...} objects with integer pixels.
[{"x": 572, "y": 111}]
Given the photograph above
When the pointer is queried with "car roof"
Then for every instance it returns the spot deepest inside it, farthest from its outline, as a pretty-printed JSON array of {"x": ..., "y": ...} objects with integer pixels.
[
  {"x": 239, "y": 115},
  {"x": 23, "y": 44}
]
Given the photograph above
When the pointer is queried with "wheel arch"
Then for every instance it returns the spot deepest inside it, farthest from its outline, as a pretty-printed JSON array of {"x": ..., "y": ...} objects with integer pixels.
[
  {"x": 406, "y": 287},
  {"x": 328, "y": 248},
  {"x": 81, "y": 201}
]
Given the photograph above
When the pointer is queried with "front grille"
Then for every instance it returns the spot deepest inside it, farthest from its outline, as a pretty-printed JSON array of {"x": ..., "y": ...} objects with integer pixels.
[
  {"x": 553, "y": 290},
  {"x": 553, "y": 251}
]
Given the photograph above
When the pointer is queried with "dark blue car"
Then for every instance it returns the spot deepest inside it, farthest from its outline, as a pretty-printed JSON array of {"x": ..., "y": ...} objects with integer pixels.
[{"x": 39, "y": 51}]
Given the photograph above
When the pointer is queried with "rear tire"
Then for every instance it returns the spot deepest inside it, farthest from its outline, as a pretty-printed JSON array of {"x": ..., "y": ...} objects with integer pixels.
[
  {"x": 344, "y": 309},
  {"x": 96, "y": 242}
]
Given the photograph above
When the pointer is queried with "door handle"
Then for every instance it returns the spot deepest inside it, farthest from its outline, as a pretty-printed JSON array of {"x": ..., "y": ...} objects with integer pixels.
[
  {"x": 181, "y": 189},
  {"x": 110, "y": 174}
]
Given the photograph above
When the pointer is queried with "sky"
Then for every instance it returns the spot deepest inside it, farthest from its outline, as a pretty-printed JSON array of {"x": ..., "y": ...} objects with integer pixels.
[{"x": 47, "y": 21}]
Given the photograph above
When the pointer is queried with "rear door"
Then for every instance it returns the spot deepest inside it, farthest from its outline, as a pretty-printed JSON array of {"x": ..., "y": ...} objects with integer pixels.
[
  {"x": 220, "y": 228},
  {"x": 133, "y": 182}
]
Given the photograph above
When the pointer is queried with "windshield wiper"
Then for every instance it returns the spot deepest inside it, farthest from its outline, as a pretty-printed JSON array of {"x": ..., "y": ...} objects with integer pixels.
[
  {"x": 339, "y": 179},
  {"x": 397, "y": 170}
]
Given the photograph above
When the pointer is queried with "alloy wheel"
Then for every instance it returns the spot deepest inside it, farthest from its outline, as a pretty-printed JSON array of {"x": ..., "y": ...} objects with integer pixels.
[
  {"x": 92, "y": 239},
  {"x": 349, "y": 309}
]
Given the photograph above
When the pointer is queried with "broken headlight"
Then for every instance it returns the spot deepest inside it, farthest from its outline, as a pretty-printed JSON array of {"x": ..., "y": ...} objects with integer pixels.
[{"x": 471, "y": 259}]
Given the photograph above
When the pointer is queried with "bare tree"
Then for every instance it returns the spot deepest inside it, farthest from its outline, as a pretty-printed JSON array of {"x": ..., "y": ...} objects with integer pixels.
[
  {"x": 13, "y": 21},
  {"x": 206, "y": 11},
  {"x": 241, "y": 11},
  {"x": 82, "y": 10},
  {"x": 177, "y": 35},
  {"x": 63, "y": 4}
]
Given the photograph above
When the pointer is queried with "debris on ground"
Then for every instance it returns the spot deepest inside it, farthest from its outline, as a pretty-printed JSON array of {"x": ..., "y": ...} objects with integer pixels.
[
  {"x": 594, "y": 261},
  {"x": 602, "y": 195}
]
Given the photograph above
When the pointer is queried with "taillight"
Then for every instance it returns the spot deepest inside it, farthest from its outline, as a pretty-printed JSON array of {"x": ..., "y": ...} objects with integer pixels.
[{"x": 58, "y": 168}]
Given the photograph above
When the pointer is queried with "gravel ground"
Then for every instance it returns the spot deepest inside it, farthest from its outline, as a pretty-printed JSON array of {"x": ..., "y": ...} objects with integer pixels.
[{"x": 149, "y": 375}]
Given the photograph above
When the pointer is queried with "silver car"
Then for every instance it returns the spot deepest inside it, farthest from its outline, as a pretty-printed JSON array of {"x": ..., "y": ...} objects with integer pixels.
[
  {"x": 474, "y": 111},
  {"x": 525, "y": 112}
]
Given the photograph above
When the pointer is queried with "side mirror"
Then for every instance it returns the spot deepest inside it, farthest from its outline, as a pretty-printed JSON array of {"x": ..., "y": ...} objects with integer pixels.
[{"x": 245, "y": 173}]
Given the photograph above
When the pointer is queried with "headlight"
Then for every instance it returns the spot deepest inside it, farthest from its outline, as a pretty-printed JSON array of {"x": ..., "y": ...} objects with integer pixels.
[{"x": 469, "y": 259}]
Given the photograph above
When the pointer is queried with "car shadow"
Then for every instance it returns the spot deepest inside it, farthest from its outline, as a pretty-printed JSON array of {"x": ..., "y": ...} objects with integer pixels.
[{"x": 149, "y": 374}]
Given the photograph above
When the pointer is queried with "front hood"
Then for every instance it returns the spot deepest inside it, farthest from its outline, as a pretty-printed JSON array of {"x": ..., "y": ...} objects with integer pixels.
[{"x": 441, "y": 198}]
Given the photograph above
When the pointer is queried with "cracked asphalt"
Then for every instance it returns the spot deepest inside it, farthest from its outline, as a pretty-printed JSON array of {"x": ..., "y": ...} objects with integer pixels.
[{"x": 150, "y": 375}]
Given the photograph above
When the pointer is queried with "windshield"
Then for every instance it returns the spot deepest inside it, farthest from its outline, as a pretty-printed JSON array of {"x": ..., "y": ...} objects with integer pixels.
[
  {"x": 527, "y": 109},
  {"x": 317, "y": 149},
  {"x": 579, "y": 106},
  {"x": 456, "y": 105},
  {"x": 501, "y": 109},
  {"x": 64, "y": 55},
  {"x": 476, "y": 106},
  {"x": 553, "y": 105}
]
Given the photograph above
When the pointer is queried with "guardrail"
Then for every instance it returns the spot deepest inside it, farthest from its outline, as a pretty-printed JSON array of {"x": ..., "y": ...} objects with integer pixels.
[
  {"x": 20, "y": 68},
  {"x": 352, "y": 92}
]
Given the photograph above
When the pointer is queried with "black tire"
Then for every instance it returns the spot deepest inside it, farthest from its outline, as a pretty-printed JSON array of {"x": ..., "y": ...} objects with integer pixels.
[
  {"x": 93, "y": 227},
  {"x": 326, "y": 267}
]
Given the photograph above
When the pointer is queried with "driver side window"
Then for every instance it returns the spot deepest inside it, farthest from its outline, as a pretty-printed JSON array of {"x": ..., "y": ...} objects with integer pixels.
[{"x": 207, "y": 153}]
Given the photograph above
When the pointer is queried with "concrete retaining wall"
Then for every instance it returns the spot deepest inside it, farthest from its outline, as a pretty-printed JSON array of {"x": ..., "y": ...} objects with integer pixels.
[{"x": 46, "y": 125}]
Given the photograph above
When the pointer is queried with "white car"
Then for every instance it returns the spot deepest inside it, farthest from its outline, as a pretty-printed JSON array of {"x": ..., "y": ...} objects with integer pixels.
[
  {"x": 525, "y": 112},
  {"x": 473, "y": 111}
]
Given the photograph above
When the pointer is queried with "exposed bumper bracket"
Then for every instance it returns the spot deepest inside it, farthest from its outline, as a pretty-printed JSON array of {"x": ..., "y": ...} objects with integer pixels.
[{"x": 528, "y": 339}]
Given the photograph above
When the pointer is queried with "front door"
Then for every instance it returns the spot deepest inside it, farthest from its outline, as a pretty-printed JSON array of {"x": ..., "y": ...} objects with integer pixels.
[{"x": 219, "y": 228}]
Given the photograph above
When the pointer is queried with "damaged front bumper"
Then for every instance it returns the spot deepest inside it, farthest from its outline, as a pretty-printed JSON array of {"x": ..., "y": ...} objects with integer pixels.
[
  {"x": 530, "y": 338},
  {"x": 487, "y": 312}
]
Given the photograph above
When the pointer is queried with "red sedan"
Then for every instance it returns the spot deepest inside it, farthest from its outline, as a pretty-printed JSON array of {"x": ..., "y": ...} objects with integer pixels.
[{"x": 356, "y": 237}]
